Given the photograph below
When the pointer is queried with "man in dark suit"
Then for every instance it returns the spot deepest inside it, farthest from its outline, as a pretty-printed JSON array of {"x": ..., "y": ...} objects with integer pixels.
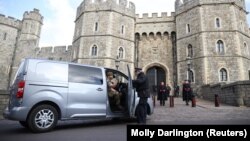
[{"x": 142, "y": 87}]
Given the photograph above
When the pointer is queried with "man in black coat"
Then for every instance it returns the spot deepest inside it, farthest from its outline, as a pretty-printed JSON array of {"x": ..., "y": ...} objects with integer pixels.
[
  {"x": 142, "y": 87},
  {"x": 187, "y": 92}
]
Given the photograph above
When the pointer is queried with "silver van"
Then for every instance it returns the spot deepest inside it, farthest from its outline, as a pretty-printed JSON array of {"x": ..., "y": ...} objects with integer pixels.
[{"x": 45, "y": 91}]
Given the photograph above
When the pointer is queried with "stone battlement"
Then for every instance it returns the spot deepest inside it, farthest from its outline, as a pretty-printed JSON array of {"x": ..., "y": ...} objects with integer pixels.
[
  {"x": 183, "y": 5},
  {"x": 55, "y": 49},
  {"x": 155, "y": 17},
  {"x": 34, "y": 15},
  {"x": 10, "y": 21},
  {"x": 121, "y": 6}
]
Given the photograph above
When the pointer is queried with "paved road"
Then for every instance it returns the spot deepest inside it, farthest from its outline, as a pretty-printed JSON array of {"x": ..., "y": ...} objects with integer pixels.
[{"x": 204, "y": 113}]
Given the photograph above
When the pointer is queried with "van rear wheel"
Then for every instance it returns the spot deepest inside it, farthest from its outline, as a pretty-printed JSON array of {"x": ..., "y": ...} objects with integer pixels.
[{"x": 43, "y": 118}]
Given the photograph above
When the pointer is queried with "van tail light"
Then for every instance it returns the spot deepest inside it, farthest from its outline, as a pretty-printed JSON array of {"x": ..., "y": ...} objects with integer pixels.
[{"x": 20, "y": 89}]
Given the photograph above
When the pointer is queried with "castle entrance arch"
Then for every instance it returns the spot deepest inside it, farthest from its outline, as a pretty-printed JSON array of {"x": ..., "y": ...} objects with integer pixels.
[{"x": 155, "y": 76}]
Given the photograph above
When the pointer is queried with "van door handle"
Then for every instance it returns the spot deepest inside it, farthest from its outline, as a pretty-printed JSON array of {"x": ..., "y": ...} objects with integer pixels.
[{"x": 99, "y": 89}]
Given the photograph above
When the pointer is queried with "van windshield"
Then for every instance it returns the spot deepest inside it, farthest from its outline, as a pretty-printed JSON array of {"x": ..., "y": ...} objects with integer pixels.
[{"x": 20, "y": 69}]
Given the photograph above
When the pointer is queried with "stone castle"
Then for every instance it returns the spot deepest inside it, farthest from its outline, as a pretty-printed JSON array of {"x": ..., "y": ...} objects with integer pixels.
[{"x": 205, "y": 41}]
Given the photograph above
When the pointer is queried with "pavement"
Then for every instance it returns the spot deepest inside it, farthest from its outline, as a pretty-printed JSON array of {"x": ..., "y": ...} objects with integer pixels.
[{"x": 204, "y": 112}]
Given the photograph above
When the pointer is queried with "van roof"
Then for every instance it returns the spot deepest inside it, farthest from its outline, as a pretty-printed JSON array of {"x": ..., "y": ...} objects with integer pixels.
[{"x": 43, "y": 59}]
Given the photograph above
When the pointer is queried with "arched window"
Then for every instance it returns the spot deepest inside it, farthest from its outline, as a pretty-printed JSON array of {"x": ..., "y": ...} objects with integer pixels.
[
  {"x": 96, "y": 26},
  {"x": 220, "y": 47},
  {"x": 218, "y": 24},
  {"x": 223, "y": 75},
  {"x": 190, "y": 51},
  {"x": 121, "y": 52},
  {"x": 94, "y": 50}
]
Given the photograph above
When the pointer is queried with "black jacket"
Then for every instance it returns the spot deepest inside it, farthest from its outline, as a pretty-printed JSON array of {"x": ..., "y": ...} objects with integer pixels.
[{"x": 141, "y": 84}]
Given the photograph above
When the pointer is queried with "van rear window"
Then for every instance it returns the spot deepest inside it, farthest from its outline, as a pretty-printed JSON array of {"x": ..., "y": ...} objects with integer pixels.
[{"x": 87, "y": 75}]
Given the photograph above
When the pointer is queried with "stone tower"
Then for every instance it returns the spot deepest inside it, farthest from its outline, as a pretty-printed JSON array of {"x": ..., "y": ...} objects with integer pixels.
[
  {"x": 214, "y": 35},
  {"x": 103, "y": 31},
  {"x": 27, "y": 38},
  {"x": 18, "y": 39},
  {"x": 9, "y": 28},
  {"x": 29, "y": 35}
]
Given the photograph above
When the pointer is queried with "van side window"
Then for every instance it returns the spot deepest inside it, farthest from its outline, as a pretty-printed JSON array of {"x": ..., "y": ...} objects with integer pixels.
[
  {"x": 50, "y": 71},
  {"x": 83, "y": 74}
]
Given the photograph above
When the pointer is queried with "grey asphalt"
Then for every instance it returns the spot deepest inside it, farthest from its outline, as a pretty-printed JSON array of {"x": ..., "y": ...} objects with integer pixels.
[{"x": 204, "y": 112}]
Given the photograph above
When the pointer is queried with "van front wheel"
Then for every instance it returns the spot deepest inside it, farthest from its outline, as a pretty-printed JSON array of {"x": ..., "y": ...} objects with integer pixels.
[{"x": 43, "y": 118}]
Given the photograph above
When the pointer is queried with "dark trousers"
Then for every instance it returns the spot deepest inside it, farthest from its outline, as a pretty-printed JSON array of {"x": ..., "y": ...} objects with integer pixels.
[
  {"x": 162, "y": 102},
  {"x": 141, "y": 112}
]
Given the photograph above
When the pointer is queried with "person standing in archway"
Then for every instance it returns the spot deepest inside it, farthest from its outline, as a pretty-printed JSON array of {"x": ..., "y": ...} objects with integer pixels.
[{"x": 163, "y": 93}]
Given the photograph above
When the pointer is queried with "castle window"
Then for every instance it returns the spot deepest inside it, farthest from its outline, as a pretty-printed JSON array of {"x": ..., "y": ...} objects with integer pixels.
[
  {"x": 246, "y": 49},
  {"x": 96, "y": 26},
  {"x": 122, "y": 30},
  {"x": 190, "y": 51},
  {"x": 94, "y": 51},
  {"x": 190, "y": 75},
  {"x": 188, "y": 28},
  {"x": 218, "y": 24},
  {"x": 51, "y": 58},
  {"x": 242, "y": 26},
  {"x": 4, "y": 36},
  {"x": 220, "y": 47},
  {"x": 121, "y": 52},
  {"x": 223, "y": 75}
]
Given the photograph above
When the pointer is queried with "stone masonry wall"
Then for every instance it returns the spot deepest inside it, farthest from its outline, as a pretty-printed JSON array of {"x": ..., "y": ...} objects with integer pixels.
[
  {"x": 237, "y": 93},
  {"x": 4, "y": 99}
]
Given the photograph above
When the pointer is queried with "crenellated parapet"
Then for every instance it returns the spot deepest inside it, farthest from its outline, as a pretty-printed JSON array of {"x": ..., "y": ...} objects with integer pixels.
[
  {"x": 155, "y": 17},
  {"x": 33, "y": 15},
  {"x": 54, "y": 49},
  {"x": 10, "y": 21},
  {"x": 184, "y": 5},
  {"x": 120, "y": 6},
  {"x": 54, "y": 53}
]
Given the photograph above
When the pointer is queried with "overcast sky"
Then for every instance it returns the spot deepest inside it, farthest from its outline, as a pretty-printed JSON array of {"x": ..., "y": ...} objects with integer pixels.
[{"x": 59, "y": 15}]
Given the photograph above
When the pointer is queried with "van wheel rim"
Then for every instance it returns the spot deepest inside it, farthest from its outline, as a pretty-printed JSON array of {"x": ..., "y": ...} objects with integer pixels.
[{"x": 44, "y": 118}]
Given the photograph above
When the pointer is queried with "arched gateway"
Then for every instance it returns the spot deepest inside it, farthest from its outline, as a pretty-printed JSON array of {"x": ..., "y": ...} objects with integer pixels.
[{"x": 155, "y": 76}]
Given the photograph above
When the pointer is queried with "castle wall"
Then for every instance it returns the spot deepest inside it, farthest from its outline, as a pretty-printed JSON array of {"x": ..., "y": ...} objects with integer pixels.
[
  {"x": 109, "y": 26},
  {"x": 60, "y": 53},
  {"x": 204, "y": 35},
  {"x": 8, "y": 33},
  {"x": 155, "y": 45}
]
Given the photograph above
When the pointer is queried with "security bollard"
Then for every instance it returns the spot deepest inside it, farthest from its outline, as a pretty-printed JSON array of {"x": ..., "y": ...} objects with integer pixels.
[
  {"x": 193, "y": 101},
  {"x": 216, "y": 100},
  {"x": 171, "y": 101}
]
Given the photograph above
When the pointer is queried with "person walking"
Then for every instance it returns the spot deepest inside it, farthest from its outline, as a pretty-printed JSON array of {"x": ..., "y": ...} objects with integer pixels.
[
  {"x": 142, "y": 88},
  {"x": 163, "y": 93},
  {"x": 187, "y": 92}
]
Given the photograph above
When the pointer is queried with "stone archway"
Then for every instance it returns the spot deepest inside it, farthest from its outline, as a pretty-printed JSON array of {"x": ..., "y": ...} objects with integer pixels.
[{"x": 155, "y": 75}]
